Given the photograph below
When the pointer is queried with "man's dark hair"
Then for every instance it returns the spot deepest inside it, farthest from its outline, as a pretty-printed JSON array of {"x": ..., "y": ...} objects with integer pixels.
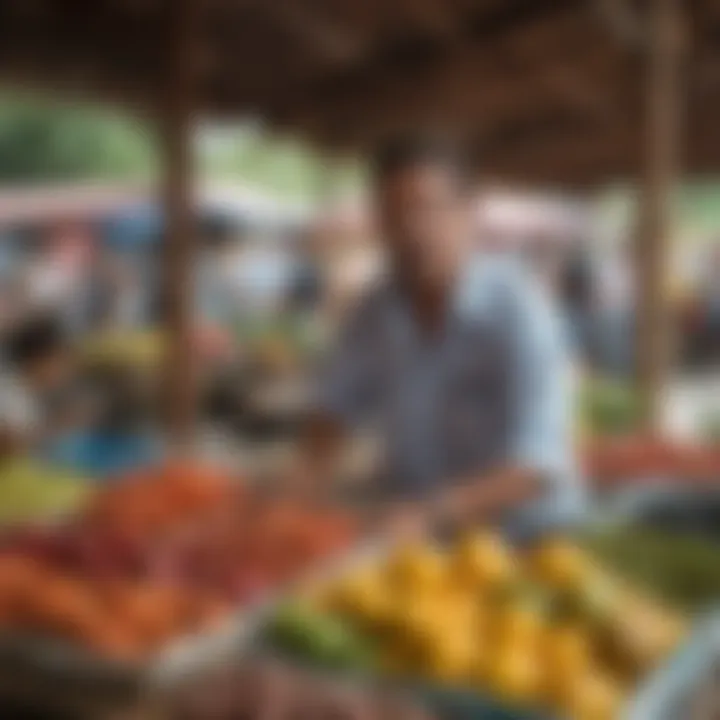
[
  {"x": 33, "y": 339},
  {"x": 410, "y": 151}
]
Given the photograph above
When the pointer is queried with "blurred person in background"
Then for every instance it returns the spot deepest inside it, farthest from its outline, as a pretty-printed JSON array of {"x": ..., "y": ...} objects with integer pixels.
[
  {"x": 262, "y": 276},
  {"x": 218, "y": 289},
  {"x": 110, "y": 293},
  {"x": 12, "y": 293},
  {"x": 37, "y": 400},
  {"x": 458, "y": 360},
  {"x": 55, "y": 270},
  {"x": 307, "y": 286}
]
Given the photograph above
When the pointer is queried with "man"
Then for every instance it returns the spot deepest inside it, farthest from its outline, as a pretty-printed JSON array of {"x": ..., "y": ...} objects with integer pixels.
[{"x": 457, "y": 360}]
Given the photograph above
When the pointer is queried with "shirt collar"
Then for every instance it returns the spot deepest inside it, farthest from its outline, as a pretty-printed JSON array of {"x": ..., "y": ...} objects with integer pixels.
[{"x": 470, "y": 295}]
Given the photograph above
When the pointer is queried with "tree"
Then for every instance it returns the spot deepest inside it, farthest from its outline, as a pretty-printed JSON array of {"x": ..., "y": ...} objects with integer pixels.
[{"x": 42, "y": 141}]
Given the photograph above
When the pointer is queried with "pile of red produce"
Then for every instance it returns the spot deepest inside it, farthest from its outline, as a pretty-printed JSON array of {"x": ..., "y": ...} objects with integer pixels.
[
  {"x": 161, "y": 554},
  {"x": 125, "y": 619},
  {"x": 269, "y": 690},
  {"x": 645, "y": 457}
]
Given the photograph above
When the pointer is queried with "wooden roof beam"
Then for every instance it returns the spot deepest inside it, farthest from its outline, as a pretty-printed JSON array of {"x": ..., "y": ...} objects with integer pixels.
[
  {"x": 483, "y": 85},
  {"x": 433, "y": 17},
  {"x": 377, "y": 83},
  {"x": 333, "y": 40}
]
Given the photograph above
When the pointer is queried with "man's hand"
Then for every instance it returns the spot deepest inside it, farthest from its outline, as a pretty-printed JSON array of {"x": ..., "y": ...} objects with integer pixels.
[
  {"x": 487, "y": 496},
  {"x": 405, "y": 521}
]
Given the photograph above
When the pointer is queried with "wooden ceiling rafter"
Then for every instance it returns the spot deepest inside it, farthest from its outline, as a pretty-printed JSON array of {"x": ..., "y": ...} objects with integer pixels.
[
  {"x": 499, "y": 77},
  {"x": 508, "y": 73},
  {"x": 390, "y": 69}
]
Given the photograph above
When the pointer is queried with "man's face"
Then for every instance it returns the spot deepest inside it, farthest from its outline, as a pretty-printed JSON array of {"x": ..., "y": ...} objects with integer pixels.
[{"x": 425, "y": 221}]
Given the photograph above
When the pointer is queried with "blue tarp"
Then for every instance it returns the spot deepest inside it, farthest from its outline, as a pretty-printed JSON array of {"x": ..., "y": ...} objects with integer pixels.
[
  {"x": 100, "y": 455},
  {"x": 135, "y": 228}
]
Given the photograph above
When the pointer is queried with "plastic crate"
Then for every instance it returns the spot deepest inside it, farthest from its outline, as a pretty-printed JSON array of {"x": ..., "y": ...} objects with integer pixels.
[
  {"x": 665, "y": 695},
  {"x": 448, "y": 704}
]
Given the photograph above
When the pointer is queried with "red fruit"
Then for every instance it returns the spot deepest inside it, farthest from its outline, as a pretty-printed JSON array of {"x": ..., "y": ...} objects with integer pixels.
[{"x": 246, "y": 586}]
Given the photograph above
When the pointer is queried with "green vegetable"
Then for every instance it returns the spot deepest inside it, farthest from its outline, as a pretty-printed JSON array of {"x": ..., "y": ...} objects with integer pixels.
[
  {"x": 608, "y": 407},
  {"x": 683, "y": 570},
  {"x": 321, "y": 639},
  {"x": 31, "y": 491}
]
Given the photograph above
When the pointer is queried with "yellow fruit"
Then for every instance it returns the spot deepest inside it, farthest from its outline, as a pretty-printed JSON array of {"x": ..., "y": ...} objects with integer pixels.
[
  {"x": 451, "y": 657},
  {"x": 459, "y": 610},
  {"x": 418, "y": 568},
  {"x": 565, "y": 652},
  {"x": 480, "y": 670},
  {"x": 484, "y": 559},
  {"x": 593, "y": 696},
  {"x": 567, "y": 648},
  {"x": 643, "y": 636},
  {"x": 416, "y": 616},
  {"x": 519, "y": 624},
  {"x": 515, "y": 674},
  {"x": 599, "y": 598},
  {"x": 364, "y": 596},
  {"x": 560, "y": 564}
]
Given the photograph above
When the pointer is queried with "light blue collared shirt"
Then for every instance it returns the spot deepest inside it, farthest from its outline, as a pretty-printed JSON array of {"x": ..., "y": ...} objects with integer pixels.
[{"x": 492, "y": 390}]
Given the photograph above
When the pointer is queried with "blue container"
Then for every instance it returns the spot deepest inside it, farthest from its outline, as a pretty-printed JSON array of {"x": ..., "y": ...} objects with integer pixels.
[
  {"x": 101, "y": 455},
  {"x": 448, "y": 704}
]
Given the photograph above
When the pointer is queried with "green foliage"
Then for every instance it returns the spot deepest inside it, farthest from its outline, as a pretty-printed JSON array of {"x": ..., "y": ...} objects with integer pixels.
[
  {"x": 41, "y": 141},
  {"x": 695, "y": 204},
  {"x": 285, "y": 167},
  {"x": 46, "y": 141}
]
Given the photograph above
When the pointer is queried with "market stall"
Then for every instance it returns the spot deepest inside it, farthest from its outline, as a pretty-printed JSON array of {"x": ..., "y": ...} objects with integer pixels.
[
  {"x": 542, "y": 87},
  {"x": 552, "y": 117}
]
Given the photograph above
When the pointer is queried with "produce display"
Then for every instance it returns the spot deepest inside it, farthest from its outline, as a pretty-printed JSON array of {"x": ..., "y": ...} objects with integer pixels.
[
  {"x": 30, "y": 491},
  {"x": 120, "y": 618},
  {"x": 259, "y": 691},
  {"x": 546, "y": 627},
  {"x": 607, "y": 407},
  {"x": 155, "y": 500},
  {"x": 180, "y": 545},
  {"x": 650, "y": 458},
  {"x": 146, "y": 348},
  {"x": 683, "y": 569}
]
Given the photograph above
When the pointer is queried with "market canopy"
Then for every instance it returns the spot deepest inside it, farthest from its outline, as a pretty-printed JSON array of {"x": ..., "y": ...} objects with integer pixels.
[
  {"x": 547, "y": 90},
  {"x": 571, "y": 92}
]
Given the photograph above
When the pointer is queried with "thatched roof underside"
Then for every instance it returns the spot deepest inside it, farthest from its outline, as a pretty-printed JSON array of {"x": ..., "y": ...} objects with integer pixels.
[{"x": 548, "y": 90}]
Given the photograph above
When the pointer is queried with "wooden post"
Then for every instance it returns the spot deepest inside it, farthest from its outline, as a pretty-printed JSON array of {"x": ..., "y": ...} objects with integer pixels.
[
  {"x": 662, "y": 131},
  {"x": 179, "y": 381}
]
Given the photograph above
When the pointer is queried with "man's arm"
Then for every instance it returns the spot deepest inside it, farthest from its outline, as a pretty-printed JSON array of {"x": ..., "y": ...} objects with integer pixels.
[{"x": 540, "y": 456}]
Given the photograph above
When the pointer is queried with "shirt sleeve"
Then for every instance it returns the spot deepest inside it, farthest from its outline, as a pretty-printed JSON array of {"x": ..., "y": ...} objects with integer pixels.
[
  {"x": 348, "y": 382},
  {"x": 543, "y": 437}
]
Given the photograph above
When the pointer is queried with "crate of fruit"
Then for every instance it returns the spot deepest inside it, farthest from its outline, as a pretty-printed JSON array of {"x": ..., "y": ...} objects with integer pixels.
[
  {"x": 687, "y": 687},
  {"x": 483, "y": 630},
  {"x": 158, "y": 574}
]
